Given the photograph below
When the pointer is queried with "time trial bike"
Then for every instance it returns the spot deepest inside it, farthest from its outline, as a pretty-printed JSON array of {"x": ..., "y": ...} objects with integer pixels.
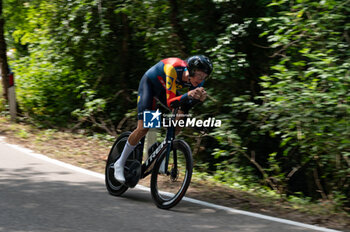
[{"x": 170, "y": 164}]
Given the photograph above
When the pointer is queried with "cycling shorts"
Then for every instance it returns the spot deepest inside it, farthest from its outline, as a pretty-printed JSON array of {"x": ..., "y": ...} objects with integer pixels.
[{"x": 147, "y": 96}]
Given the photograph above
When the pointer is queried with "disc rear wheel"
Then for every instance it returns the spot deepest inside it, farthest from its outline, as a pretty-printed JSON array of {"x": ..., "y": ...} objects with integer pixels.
[{"x": 113, "y": 186}]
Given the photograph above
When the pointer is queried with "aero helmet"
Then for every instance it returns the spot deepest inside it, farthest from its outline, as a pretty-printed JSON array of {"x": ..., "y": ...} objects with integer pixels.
[{"x": 199, "y": 62}]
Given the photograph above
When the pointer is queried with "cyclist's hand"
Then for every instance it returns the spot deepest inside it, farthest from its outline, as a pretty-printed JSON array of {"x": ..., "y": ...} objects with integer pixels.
[
  {"x": 195, "y": 93},
  {"x": 203, "y": 95}
]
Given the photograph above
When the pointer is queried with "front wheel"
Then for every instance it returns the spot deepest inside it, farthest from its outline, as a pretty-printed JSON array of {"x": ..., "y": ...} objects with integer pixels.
[{"x": 169, "y": 188}]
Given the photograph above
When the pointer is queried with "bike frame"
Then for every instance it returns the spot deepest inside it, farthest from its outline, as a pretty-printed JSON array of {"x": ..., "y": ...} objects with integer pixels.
[{"x": 167, "y": 144}]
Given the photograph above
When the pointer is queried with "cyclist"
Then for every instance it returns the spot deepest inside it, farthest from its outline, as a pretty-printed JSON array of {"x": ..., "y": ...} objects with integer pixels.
[{"x": 161, "y": 82}]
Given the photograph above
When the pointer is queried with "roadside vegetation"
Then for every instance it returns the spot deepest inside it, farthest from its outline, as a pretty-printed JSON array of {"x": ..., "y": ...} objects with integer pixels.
[
  {"x": 280, "y": 86},
  {"x": 90, "y": 151}
]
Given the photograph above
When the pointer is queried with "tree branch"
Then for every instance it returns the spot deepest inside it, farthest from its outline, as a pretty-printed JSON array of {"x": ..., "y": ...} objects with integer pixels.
[
  {"x": 102, "y": 125},
  {"x": 121, "y": 123},
  {"x": 265, "y": 175},
  {"x": 287, "y": 46},
  {"x": 319, "y": 185}
]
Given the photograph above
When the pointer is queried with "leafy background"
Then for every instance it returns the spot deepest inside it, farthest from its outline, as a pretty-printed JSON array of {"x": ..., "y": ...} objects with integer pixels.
[{"x": 280, "y": 83}]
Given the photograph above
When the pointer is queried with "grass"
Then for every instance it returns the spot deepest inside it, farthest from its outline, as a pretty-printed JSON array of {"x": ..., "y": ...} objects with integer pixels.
[{"x": 91, "y": 153}]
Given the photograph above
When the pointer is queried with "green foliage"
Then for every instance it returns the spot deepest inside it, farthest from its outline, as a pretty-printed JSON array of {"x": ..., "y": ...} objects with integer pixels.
[
  {"x": 280, "y": 83},
  {"x": 304, "y": 102},
  {"x": 2, "y": 100}
]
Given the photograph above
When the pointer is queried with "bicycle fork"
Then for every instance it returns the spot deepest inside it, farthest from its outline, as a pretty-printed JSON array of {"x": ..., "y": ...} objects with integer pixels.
[{"x": 164, "y": 166}]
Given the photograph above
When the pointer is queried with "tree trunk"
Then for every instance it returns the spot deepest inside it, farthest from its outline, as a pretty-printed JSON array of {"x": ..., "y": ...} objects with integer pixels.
[
  {"x": 4, "y": 68},
  {"x": 179, "y": 31},
  {"x": 125, "y": 47}
]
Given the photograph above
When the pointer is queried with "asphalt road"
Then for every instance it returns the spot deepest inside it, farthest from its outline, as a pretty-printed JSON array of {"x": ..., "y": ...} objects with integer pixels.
[{"x": 36, "y": 195}]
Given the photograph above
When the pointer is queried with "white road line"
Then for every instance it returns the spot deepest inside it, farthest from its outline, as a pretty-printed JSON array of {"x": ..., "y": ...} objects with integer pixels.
[{"x": 143, "y": 188}]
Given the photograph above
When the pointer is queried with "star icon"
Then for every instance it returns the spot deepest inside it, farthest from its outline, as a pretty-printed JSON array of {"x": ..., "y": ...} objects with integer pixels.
[{"x": 156, "y": 115}]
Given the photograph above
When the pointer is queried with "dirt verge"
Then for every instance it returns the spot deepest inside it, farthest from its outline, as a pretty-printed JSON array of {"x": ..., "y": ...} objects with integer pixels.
[{"x": 91, "y": 153}]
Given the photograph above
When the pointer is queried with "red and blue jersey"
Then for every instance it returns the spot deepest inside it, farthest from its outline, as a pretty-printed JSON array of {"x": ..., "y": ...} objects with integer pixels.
[{"x": 166, "y": 76}]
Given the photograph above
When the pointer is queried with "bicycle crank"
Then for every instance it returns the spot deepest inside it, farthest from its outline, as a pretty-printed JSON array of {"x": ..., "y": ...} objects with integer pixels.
[{"x": 133, "y": 174}]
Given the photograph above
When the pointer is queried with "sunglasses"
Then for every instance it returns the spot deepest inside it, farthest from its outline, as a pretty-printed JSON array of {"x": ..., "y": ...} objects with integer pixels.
[{"x": 200, "y": 76}]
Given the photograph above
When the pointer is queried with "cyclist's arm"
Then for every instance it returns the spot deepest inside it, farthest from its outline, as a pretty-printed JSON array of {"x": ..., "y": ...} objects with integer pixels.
[{"x": 171, "y": 96}]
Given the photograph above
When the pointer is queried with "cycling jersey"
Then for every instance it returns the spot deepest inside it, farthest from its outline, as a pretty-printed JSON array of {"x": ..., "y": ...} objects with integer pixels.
[{"x": 162, "y": 82}]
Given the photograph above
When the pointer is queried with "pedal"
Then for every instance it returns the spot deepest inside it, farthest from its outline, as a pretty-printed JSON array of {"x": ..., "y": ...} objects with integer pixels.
[{"x": 133, "y": 174}]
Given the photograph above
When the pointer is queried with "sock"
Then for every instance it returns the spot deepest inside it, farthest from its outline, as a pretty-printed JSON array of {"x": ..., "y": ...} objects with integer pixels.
[{"x": 126, "y": 151}]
